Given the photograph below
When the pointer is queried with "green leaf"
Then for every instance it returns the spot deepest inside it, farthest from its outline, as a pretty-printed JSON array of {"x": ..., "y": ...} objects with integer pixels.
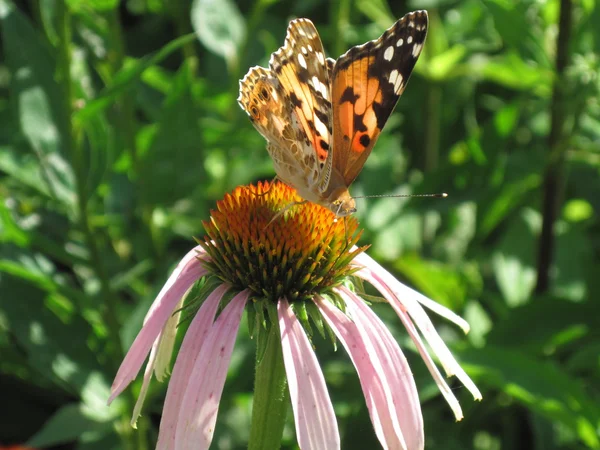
[
  {"x": 511, "y": 71},
  {"x": 542, "y": 387},
  {"x": 513, "y": 259},
  {"x": 38, "y": 101},
  {"x": 510, "y": 196},
  {"x": 220, "y": 27},
  {"x": 98, "y": 5},
  {"x": 444, "y": 284},
  {"x": 176, "y": 145},
  {"x": 443, "y": 66},
  {"x": 565, "y": 324},
  {"x": 67, "y": 424},
  {"x": 127, "y": 76}
]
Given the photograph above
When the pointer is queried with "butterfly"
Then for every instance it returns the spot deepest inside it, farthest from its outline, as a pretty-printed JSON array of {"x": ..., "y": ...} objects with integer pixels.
[{"x": 321, "y": 117}]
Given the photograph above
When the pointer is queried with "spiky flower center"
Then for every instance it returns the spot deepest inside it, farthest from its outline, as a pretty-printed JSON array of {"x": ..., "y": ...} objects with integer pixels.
[{"x": 262, "y": 238}]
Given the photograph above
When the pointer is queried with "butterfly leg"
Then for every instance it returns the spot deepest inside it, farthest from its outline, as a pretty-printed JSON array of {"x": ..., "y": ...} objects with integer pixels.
[
  {"x": 283, "y": 210},
  {"x": 256, "y": 194}
]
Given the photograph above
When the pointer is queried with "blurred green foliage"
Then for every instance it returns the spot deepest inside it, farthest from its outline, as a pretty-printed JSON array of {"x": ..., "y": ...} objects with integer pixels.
[{"x": 119, "y": 129}]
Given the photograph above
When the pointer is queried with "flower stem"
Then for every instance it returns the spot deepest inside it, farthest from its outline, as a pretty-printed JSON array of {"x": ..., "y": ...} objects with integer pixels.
[{"x": 270, "y": 390}]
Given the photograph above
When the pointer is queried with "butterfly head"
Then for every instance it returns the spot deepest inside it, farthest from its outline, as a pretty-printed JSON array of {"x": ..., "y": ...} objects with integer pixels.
[{"x": 341, "y": 203}]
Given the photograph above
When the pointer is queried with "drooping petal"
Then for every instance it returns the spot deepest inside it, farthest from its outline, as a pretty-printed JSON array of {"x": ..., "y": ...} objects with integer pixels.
[
  {"x": 185, "y": 274},
  {"x": 403, "y": 299},
  {"x": 372, "y": 358},
  {"x": 396, "y": 370},
  {"x": 159, "y": 360},
  {"x": 137, "y": 409},
  {"x": 198, "y": 413},
  {"x": 366, "y": 261},
  {"x": 316, "y": 426},
  {"x": 182, "y": 371}
]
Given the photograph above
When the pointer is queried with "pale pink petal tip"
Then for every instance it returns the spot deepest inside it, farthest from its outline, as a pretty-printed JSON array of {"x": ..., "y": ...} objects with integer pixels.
[
  {"x": 316, "y": 425},
  {"x": 188, "y": 270},
  {"x": 384, "y": 374},
  {"x": 407, "y": 304}
]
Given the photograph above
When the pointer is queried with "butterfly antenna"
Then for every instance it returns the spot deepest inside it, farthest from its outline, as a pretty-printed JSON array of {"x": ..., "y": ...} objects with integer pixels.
[{"x": 438, "y": 195}]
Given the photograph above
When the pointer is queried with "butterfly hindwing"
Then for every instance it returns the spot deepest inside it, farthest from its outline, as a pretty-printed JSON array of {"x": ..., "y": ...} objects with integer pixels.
[
  {"x": 367, "y": 82},
  {"x": 301, "y": 68}
]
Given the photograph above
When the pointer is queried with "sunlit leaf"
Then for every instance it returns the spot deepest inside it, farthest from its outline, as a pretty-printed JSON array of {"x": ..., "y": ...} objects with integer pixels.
[{"x": 220, "y": 27}]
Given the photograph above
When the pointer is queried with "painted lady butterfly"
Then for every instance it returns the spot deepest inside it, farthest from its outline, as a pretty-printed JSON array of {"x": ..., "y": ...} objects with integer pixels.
[{"x": 321, "y": 117}]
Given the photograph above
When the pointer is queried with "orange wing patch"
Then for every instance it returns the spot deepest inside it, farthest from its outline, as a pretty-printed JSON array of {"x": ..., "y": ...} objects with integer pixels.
[
  {"x": 367, "y": 82},
  {"x": 356, "y": 96}
]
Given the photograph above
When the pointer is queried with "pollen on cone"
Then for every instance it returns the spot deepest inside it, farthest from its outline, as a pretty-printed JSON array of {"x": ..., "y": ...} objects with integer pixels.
[{"x": 265, "y": 238}]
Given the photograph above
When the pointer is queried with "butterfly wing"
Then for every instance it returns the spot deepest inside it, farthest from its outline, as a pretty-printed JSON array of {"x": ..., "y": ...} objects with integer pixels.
[
  {"x": 289, "y": 104},
  {"x": 367, "y": 82}
]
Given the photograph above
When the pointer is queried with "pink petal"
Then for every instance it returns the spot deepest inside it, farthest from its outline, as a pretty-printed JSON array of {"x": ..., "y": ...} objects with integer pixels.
[
  {"x": 396, "y": 370},
  {"x": 186, "y": 359},
  {"x": 316, "y": 426},
  {"x": 414, "y": 335},
  {"x": 185, "y": 274},
  {"x": 366, "y": 261},
  {"x": 198, "y": 414},
  {"x": 402, "y": 299},
  {"x": 373, "y": 353}
]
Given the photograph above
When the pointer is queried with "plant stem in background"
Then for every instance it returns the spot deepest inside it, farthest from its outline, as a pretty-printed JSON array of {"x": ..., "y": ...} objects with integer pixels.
[
  {"x": 340, "y": 14},
  {"x": 180, "y": 11},
  {"x": 125, "y": 113},
  {"x": 270, "y": 402},
  {"x": 554, "y": 175},
  {"x": 107, "y": 297},
  {"x": 125, "y": 117}
]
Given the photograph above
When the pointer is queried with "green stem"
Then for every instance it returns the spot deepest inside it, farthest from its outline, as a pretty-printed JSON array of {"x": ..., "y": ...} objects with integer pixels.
[
  {"x": 126, "y": 115},
  {"x": 127, "y": 123},
  {"x": 554, "y": 174},
  {"x": 76, "y": 152},
  {"x": 270, "y": 402}
]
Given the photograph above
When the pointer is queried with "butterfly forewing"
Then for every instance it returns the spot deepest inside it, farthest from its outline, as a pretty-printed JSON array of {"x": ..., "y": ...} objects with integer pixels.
[{"x": 367, "y": 82}]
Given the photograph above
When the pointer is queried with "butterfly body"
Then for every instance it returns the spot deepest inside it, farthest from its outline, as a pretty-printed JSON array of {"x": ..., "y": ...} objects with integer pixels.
[{"x": 321, "y": 117}]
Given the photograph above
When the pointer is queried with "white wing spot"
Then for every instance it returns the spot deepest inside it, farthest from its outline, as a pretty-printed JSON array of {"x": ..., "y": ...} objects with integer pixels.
[
  {"x": 409, "y": 40},
  {"x": 304, "y": 50},
  {"x": 310, "y": 49},
  {"x": 416, "y": 50},
  {"x": 400, "y": 42},
  {"x": 389, "y": 53},
  {"x": 320, "y": 127},
  {"x": 321, "y": 58},
  {"x": 302, "y": 61},
  {"x": 320, "y": 87},
  {"x": 399, "y": 84},
  {"x": 397, "y": 80},
  {"x": 411, "y": 24}
]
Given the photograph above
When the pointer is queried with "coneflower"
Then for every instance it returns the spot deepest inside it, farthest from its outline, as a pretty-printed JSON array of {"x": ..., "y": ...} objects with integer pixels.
[{"x": 294, "y": 273}]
